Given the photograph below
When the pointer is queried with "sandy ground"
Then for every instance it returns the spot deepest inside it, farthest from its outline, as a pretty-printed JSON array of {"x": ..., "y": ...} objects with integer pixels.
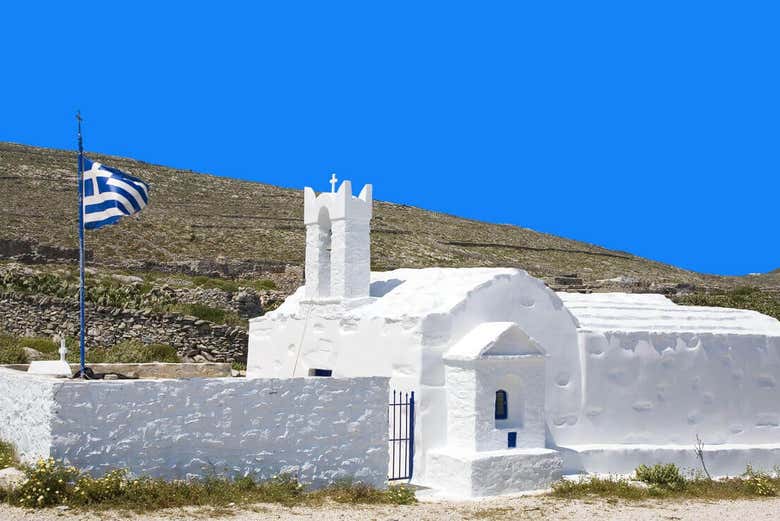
[{"x": 531, "y": 508}]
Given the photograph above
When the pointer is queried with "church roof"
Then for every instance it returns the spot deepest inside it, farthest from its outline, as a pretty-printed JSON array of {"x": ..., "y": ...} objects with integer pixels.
[
  {"x": 494, "y": 339},
  {"x": 655, "y": 313},
  {"x": 416, "y": 292}
]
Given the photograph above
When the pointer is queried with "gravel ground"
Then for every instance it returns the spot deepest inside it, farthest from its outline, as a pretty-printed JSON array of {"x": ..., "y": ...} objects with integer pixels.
[{"x": 525, "y": 508}]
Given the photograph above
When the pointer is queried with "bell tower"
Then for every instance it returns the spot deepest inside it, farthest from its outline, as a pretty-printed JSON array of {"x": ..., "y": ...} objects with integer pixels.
[{"x": 338, "y": 242}]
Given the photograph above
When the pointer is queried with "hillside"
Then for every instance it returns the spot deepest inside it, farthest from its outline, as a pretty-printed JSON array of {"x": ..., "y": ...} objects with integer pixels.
[{"x": 241, "y": 227}]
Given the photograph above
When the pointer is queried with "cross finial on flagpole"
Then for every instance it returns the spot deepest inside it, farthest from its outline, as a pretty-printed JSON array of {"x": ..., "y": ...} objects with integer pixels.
[{"x": 333, "y": 182}]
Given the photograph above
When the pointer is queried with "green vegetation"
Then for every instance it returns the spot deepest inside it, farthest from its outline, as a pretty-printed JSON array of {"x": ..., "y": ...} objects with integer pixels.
[
  {"x": 10, "y": 351},
  {"x": 51, "y": 483},
  {"x": 7, "y": 455},
  {"x": 104, "y": 291},
  {"x": 201, "y": 311},
  {"x": 130, "y": 351},
  {"x": 742, "y": 298},
  {"x": 154, "y": 294},
  {"x": 232, "y": 285},
  {"x": 12, "y": 348},
  {"x": 349, "y": 491},
  {"x": 664, "y": 476},
  {"x": 666, "y": 481},
  {"x": 41, "y": 344}
]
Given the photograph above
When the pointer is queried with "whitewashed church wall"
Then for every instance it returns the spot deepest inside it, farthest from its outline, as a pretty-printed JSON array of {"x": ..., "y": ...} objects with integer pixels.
[
  {"x": 409, "y": 350},
  {"x": 318, "y": 429},
  {"x": 523, "y": 381},
  {"x": 26, "y": 412},
  {"x": 471, "y": 391},
  {"x": 540, "y": 313},
  {"x": 461, "y": 408},
  {"x": 667, "y": 388}
]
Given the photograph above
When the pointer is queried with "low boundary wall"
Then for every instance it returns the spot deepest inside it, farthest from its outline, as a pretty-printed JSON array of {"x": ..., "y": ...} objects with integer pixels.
[{"x": 318, "y": 429}]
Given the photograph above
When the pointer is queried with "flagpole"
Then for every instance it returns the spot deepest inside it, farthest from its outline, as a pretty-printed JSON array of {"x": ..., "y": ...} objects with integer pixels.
[{"x": 81, "y": 251}]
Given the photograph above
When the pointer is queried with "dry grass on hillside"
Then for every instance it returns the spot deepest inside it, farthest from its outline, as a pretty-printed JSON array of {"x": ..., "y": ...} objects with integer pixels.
[{"x": 196, "y": 216}]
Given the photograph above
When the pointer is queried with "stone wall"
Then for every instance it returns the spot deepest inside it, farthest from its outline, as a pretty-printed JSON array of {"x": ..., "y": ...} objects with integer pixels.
[
  {"x": 26, "y": 413},
  {"x": 318, "y": 429},
  {"x": 199, "y": 340}
]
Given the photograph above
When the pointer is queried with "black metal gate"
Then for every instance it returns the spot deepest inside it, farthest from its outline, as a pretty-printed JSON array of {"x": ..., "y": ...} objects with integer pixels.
[{"x": 401, "y": 412}]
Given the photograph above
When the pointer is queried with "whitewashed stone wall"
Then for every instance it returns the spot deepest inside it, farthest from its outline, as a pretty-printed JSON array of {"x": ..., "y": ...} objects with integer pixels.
[
  {"x": 665, "y": 389},
  {"x": 318, "y": 429},
  {"x": 26, "y": 413}
]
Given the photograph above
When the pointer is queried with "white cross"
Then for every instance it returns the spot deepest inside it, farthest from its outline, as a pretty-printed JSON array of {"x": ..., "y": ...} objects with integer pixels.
[
  {"x": 333, "y": 182},
  {"x": 63, "y": 349}
]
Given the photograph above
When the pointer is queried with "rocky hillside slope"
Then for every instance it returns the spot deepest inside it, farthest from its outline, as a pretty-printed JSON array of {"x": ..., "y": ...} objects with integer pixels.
[
  {"x": 207, "y": 225},
  {"x": 210, "y": 252}
]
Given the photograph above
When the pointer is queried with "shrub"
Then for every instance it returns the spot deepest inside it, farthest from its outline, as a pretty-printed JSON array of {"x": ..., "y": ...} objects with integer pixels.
[
  {"x": 7, "y": 455},
  {"x": 52, "y": 483},
  {"x": 602, "y": 487},
  {"x": 349, "y": 491},
  {"x": 741, "y": 298},
  {"x": 262, "y": 284},
  {"x": 132, "y": 352},
  {"x": 400, "y": 495},
  {"x": 47, "y": 484},
  {"x": 232, "y": 286},
  {"x": 44, "y": 345},
  {"x": 204, "y": 312},
  {"x": 759, "y": 483},
  {"x": 96, "y": 490},
  {"x": 104, "y": 291},
  {"x": 11, "y": 352},
  {"x": 664, "y": 476}
]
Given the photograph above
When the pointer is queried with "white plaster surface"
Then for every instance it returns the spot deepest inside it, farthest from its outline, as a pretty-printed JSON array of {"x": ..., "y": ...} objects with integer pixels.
[
  {"x": 624, "y": 372},
  {"x": 338, "y": 245},
  {"x": 50, "y": 367},
  {"x": 656, "y": 313},
  {"x": 494, "y": 339},
  {"x": 721, "y": 460},
  {"x": 656, "y": 373},
  {"x": 27, "y": 408},
  {"x": 319, "y": 429},
  {"x": 411, "y": 318},
  {"x": 482, "y": 474}
]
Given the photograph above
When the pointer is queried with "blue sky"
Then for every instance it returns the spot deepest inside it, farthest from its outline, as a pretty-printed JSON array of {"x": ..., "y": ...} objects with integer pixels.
[{"x": 650, "y": 127}]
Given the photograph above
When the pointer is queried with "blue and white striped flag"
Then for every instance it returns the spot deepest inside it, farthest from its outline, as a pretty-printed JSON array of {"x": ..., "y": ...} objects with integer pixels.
[{"x": 110, "y": 194}]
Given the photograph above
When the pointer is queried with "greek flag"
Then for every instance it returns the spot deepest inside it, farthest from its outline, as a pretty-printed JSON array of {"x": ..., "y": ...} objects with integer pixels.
[{"x": 110, "y": 194}]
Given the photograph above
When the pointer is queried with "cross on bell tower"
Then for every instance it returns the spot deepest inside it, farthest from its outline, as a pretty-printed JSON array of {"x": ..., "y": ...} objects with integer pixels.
[{"x": 333, "y": 182}]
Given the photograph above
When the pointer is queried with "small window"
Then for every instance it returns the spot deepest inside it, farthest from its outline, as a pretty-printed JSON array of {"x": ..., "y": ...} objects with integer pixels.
[
  {"x": 511, "y": 440},
  {"x": 320, "y": 372},
  {"x": 501, "y": 406}
]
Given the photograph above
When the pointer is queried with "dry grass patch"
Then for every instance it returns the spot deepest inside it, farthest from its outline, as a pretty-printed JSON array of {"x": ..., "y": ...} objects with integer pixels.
[
  {"x": 51, "y": 483},
  {"x": 666, "y": 481}
]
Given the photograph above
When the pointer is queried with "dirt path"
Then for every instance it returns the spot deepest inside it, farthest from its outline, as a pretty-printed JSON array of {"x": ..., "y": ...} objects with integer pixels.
[{"x": 528, "y": 508}]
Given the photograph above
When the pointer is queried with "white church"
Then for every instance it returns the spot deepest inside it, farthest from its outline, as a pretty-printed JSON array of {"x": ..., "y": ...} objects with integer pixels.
[{"x": 516, "y": 384}]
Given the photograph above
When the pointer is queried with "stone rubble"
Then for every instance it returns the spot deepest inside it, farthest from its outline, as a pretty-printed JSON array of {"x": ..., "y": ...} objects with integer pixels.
[{"x": 195, "y": 340}]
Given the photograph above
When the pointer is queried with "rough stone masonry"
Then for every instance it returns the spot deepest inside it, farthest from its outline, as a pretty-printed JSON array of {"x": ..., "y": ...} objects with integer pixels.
[{"x": 194, "y": 339}]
